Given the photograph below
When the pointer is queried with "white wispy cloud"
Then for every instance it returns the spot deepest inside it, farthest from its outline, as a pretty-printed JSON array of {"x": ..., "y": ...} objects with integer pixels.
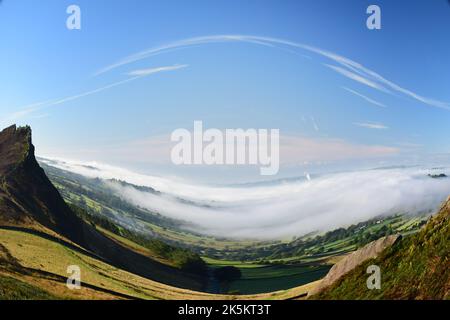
[
  {"x": 91, "y": 92},
  {"x": 374, "y": 102},
  {"x": 146, "y": 72},
  {"x": 137, "y": 74},
  {"x": 24, "y": 111},
  {"x": 357, "y": 77},
  {"x": 371, "y": 125},
  {"x": 351, "y": 68}
]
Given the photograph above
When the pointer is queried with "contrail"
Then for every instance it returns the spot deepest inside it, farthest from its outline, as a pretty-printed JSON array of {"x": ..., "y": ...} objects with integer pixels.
[{"x": 353, "y": 69}]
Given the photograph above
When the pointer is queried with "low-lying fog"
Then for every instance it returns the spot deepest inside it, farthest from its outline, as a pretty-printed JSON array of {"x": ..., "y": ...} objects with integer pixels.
[{"x": 287, "y": 208}]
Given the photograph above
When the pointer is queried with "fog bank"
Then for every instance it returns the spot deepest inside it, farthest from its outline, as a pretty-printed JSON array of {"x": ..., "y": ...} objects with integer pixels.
[{"x": 280, "y": 210}]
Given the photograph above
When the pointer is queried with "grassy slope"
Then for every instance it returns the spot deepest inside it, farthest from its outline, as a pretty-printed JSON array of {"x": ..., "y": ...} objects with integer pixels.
[
  {"x": 42, "y": 263},
  {"x": 416, "y": 268},
  {"x": 13, "y": 289},
  {"x": 271, "y": 278},
  {"x": 135, "y": 247},
  {"x": 259, "y": 278}
]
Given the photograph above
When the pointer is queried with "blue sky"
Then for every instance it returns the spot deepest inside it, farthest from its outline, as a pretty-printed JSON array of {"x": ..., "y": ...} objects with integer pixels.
[{"x": 264, "y": 76}]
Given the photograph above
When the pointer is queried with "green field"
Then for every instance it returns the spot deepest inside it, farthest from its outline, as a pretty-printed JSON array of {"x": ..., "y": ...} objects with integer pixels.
[
  {"x": 257, "y": 278},
  {"x": 274, "y": 278},
  {"x": 222, "y": 263},
  {"x": 13, "y": 289}
]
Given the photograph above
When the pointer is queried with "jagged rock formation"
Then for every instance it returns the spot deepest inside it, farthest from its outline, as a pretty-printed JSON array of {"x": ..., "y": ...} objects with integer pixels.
[
  {"x": 27, "y": 197},
  {"x": 350, "y": 262},
  {"x": 30, "y": 202}
]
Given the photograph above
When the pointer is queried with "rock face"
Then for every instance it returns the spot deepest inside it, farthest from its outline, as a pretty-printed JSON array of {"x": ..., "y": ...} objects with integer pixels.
[
  {"x": 354, "y": 259},
  {"x": 27, "y": 197},
  {"x": 15, "y": 146}
]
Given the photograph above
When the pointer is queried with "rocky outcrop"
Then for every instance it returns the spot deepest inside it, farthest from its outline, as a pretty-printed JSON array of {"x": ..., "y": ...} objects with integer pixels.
[{"x": 355, "y": 259}]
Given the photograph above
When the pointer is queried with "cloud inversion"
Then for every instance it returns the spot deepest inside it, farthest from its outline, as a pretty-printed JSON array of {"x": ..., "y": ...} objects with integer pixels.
[{"x": 280, "y": 210}]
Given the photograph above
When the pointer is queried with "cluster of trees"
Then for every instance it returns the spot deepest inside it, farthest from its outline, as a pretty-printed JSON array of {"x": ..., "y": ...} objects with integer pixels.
[{"x": 357, "y": 235}]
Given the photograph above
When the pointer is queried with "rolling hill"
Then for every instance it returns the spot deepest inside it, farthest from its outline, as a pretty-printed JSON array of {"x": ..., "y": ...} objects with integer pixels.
[{"x": 416, "y": 267}]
